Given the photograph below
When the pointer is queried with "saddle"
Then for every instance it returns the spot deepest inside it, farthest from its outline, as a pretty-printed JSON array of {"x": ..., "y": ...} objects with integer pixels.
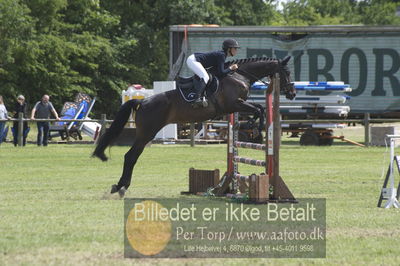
[{"x": 185, "y": 85}]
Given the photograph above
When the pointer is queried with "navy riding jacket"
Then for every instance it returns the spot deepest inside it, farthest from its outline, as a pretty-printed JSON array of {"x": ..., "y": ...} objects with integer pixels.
[{"x": 214, "y": 60}]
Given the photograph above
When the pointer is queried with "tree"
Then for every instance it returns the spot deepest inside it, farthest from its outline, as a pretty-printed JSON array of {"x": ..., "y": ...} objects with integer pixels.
[
  {"x": 339, "y": 12},
  {"x": 61, "y": 47},
  {"x": 242, "y": 12},
  {"x": 71, "y": 47},
  {"x": 46, "y": 13},
  {"x": 378, "y": 12},
  {"x": 314, "y": 12},
  {"x": 148, "y": 21},
  {"x": 15, "y": 30}
]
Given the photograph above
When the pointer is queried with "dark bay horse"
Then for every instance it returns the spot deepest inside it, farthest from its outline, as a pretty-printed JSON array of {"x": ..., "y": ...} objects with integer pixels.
[{"x": 153, "y": 113}]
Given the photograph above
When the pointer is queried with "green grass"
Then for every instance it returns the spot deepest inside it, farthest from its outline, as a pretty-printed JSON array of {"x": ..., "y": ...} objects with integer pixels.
[{"x": 52, "y": 209}]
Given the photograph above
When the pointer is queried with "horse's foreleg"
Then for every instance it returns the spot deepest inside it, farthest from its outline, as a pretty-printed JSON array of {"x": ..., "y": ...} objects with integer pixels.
[
  {"x": 262, "y": 116},
  {"x": 256, "y": 109},
  {"x": 260, "y": 108},
  {"x": 243, "y": 106}
]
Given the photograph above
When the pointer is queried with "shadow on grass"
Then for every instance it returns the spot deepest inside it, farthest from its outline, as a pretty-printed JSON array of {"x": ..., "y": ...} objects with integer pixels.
[{"x": 296, "y": 142}]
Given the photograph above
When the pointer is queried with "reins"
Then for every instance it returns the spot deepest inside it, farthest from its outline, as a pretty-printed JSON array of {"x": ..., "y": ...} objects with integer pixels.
[
  {"x": 269, "y": 87},
  {"x": 251, "y": 75}
]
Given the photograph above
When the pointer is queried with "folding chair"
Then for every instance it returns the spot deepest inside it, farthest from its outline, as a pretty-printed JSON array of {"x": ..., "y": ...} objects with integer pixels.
[{"x": 79, "y": 109}]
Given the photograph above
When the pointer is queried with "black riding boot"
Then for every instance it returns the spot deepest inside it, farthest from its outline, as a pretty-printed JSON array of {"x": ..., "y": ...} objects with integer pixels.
[{"x": 200, "y": 101}]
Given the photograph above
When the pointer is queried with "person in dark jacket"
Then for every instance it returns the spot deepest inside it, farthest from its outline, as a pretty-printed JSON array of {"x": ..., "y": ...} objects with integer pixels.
[
  {"x": 20, "y": 107},
  {"x": 214, "y": 60}
]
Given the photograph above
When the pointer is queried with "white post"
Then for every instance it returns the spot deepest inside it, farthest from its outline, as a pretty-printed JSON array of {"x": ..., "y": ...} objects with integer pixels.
[{"x": 392, "y": 201}]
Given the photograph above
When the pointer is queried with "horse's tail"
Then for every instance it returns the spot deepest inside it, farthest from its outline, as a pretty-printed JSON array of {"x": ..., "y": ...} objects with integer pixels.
[{"x": 115, "y": 129}]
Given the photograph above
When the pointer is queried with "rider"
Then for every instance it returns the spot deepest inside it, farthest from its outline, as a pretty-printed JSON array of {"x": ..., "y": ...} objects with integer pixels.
[{"x": 197, "y": 62}]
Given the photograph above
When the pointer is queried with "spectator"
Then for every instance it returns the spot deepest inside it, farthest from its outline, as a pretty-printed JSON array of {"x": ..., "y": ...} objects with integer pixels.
[
  {"x": 20, "y": 107},
  {"x": 3, "y": 115},
  {"x": 43, "y": 110}
]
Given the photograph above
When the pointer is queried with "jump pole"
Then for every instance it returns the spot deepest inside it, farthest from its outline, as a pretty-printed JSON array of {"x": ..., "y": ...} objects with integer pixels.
[
  {"x": 280, "y": 190},
  {"x": 273, "y": 133}
]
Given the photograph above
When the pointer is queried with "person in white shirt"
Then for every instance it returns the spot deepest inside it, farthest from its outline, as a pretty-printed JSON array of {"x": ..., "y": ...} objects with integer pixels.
[{"x": 3, "y": 115}]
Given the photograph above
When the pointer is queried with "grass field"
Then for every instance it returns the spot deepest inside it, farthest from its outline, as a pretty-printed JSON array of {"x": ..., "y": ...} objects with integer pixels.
[{"x": 52, "y": 209}]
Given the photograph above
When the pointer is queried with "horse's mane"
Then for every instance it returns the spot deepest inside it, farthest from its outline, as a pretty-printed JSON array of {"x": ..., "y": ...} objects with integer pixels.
[{"x": 250, "y": 60}]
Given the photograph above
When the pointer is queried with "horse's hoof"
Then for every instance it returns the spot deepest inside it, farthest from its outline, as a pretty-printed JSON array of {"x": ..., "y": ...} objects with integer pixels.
[
  {"x": 122, "y": 192},
  {"x": 256, "y": 132},
  {"x": 251, "y": 122},
  {"x": 114, "y": 189},
  {"x": 101, "y": 156}
]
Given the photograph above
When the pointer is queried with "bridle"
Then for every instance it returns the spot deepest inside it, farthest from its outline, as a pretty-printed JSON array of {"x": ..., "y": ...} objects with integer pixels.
[{"x": 288, "y": 83}]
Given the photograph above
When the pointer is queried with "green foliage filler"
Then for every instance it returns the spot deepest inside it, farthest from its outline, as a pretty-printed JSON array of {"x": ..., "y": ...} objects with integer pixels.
[{"x": 61, "y": 47}]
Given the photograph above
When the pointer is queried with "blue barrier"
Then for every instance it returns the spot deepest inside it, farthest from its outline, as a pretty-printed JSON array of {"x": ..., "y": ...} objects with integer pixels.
[{"x": 311, "y": 85}]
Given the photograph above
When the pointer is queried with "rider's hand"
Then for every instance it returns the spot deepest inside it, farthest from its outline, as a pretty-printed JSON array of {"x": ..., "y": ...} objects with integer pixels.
[{"x": 233, "y": 67}]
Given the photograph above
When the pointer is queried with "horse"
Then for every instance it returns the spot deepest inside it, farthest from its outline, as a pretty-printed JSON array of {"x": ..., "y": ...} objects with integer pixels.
[{"x": 153, "y": 113}]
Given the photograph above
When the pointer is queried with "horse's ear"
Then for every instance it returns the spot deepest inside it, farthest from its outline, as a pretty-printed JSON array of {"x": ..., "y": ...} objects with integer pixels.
[{"x": 286, "y": 60}]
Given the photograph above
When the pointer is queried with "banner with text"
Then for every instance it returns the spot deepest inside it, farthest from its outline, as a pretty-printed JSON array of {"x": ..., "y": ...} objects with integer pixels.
[{"x": 218, "y": 228}]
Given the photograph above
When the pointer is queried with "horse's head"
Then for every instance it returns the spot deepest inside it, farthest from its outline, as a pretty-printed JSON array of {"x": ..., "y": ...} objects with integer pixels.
[
  {"x": 256, "y": 68},
  {"x": 287, "y": 86}
]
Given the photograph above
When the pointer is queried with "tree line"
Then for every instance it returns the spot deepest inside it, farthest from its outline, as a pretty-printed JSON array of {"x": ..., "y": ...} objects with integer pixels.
[{"x": 62, "y": 47}]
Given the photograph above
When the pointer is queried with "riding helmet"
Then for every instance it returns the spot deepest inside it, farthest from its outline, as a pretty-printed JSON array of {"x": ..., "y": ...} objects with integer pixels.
[{"x": 230, "y": 43}]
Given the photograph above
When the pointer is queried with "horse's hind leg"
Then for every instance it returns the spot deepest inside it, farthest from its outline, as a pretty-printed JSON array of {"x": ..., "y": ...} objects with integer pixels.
[
  {"x": 150, "y": 118},
  {"x": 145, "y": 132},
  {"x": 130, "y": 160}
]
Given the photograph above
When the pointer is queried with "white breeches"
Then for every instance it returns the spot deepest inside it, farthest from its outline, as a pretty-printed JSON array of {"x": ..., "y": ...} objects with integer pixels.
[{"x": 197, "y": 68}]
